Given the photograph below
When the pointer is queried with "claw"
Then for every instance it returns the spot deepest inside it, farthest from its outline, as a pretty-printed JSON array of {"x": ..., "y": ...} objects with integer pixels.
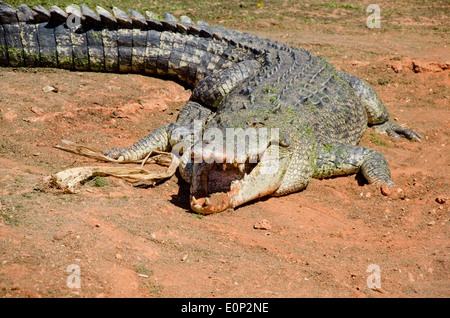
[
  {"x": 395, "y": 130},
  {"x": 194, "y": 200}
]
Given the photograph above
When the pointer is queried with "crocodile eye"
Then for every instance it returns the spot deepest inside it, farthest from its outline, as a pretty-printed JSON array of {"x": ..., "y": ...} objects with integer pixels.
[
  {"x": 285, "y": 141},
  {"x": 255, "y": 122}
]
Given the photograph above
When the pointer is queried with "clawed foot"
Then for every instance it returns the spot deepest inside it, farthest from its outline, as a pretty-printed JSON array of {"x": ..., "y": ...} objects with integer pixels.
[
  {"x": 393, "y": 192},
  {"x": 397, "y": 131}
]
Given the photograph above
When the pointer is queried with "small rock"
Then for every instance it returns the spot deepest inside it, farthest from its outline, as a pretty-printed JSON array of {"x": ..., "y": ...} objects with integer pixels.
[
  {"x": 431, "y": 223},
  {"x": 118, "y": 256},
  {"x": 397, "y": 67},
  {"x": 386, "y": 190},
  {"x": 48, "y": 88},
  {"x": 262, "y": 225},
  {"x": 368, "y": 195},
  {"x": 427, "y": 67},
  {"x": 441, "y": 200},
  {"x": 392, "y": 192}
]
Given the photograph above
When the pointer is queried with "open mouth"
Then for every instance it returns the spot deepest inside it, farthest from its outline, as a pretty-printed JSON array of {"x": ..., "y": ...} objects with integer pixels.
[
  {"x": 216, "y": 184},
  {"x": 216, "y": 187}
]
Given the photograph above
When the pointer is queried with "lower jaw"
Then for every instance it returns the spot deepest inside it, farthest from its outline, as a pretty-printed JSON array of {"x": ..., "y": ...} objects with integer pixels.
[{"x": 217, "y": 202}]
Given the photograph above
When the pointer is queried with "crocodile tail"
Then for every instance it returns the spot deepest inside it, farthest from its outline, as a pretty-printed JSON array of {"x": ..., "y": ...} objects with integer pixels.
[{"x": 79, "y": 39}]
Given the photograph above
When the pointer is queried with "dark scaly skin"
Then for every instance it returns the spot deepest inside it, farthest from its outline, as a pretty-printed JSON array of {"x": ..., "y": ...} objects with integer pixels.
[{"x": 239, "y": 81}]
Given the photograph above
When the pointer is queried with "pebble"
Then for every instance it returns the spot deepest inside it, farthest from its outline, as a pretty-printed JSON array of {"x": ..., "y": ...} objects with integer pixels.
[
  {"x": 262, "y": 225},
  {"x": 386, "y": 190},
  {"x": 392, "y": 192},
  {"x": 48, "y": 88},
  {"x": 441, "y": 200}
]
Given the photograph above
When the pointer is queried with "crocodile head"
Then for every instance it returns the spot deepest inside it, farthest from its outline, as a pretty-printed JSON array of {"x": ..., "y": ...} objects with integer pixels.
[{"x": 235, "y": 165}]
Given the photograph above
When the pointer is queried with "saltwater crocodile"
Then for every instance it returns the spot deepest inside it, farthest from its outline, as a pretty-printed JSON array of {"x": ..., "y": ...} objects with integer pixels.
[{"x": 297, "y": 116}]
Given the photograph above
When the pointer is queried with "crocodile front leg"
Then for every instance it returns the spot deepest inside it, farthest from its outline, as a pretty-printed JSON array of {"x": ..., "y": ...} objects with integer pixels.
[
  {"x": 165, "y": 137},
  {"x": 158, "y": 139},
  {"x": 377, "y": 113}
]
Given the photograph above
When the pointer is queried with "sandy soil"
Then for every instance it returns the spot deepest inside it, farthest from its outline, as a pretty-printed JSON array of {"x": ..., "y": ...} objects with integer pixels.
[{"x": 135, "y": 242}]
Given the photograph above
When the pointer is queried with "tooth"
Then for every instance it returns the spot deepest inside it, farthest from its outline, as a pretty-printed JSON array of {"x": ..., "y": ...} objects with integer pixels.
[
  {"x": 242, "y": 167},
  {"x": 224, "y": 167},
  {"x": 194, "y": 201}
]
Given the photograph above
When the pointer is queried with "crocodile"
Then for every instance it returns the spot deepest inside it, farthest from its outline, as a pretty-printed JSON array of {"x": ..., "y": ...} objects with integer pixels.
[{"x": 263, "y": 119}]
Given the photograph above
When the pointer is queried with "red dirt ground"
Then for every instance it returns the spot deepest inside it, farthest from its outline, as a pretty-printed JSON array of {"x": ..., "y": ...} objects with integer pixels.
[{"x": 137, "y": 242}]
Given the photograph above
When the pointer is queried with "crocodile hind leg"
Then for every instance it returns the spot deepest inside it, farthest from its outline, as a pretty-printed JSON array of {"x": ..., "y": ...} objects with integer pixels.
[
  {"x": 212, "y": 89},
  {"x": 344, "y": 160},
  {"x": 377, "y": 113}
]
